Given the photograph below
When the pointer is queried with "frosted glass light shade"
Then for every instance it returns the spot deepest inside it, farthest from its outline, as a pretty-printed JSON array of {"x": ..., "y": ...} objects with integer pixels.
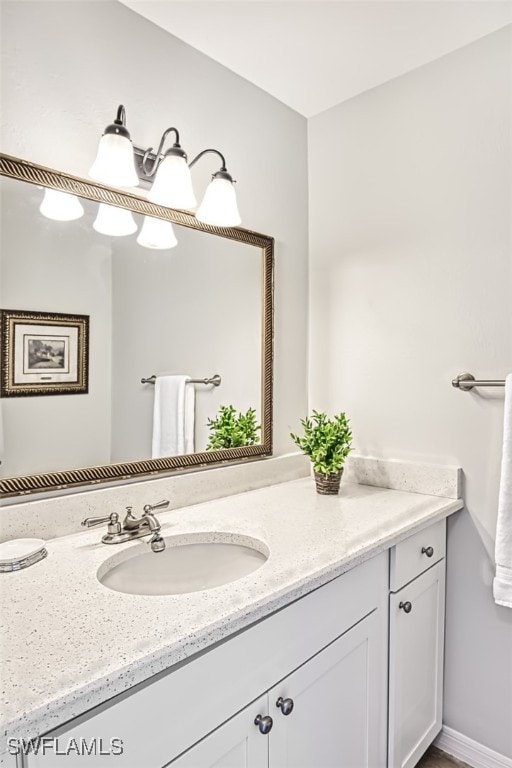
[
  {"x": 115, "y": 164},
  {"x": 114, "y": 221},
  {"x": 219, "y": 206},
  {"x": 156, "y": 233},
  {"x": 61, "y": 206},
  {"x": 173, "y": 184}
]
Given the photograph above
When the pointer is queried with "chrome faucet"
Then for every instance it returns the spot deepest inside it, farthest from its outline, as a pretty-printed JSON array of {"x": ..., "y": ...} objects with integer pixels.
[{"x": 132, "y": 527}]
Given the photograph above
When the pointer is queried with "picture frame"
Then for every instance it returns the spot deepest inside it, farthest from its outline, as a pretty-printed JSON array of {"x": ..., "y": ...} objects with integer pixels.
[{"x": 43, "y": 353}]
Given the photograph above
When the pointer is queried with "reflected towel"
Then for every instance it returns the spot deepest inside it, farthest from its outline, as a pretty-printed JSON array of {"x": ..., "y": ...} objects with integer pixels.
[
  {"x": 502, "y": 586},
  {"x": 173, "y": 416}
]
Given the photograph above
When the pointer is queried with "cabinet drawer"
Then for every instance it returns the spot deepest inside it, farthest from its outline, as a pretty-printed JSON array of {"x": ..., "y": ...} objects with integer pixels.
[{"x": 417, "y": 553}]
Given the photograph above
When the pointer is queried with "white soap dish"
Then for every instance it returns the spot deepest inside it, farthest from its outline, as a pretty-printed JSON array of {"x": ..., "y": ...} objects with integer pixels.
[{"x": 20, "y": 553}]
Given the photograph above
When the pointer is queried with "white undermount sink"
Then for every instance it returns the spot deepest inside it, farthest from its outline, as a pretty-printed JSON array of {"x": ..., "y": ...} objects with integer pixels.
[{"x": 189, "y": 563}]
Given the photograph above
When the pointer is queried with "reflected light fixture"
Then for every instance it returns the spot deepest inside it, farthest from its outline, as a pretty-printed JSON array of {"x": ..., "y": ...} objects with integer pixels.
[
  {"x": 115, "y": 164},
  {"x": 167, "y": 173},
  {"x": 157, "y": 234},
  {"x": 114, "y": 221},
  {"x": 61, "y": 206}
]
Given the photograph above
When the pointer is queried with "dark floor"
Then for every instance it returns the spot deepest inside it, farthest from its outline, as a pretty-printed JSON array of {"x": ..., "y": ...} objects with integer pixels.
[{"x": 434, "y": 758}]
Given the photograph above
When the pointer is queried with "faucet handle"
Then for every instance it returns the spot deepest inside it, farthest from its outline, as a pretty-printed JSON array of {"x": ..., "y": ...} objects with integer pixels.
[
  {"x": 112, "y": 520},
  {"x": 159, "y": 505}
]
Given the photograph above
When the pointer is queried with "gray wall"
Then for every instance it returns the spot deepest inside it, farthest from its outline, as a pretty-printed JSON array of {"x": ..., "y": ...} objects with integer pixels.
[
  {"x": 66, "y": 67},
  {"x": 411, "y": 269}
]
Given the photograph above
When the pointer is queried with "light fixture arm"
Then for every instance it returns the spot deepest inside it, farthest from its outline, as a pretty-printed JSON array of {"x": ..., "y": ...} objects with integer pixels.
[
  {"x": 205, "y": 152},
  {"x": 118, "y": 127},
  {"x": 121, "y": 115},
  {"x": 158, "y": 155}
]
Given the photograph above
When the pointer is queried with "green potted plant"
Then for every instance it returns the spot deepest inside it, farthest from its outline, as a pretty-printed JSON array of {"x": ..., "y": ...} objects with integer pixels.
[
  {"x": 327, "y": 442},
  {"x": 231, "y": 429}
]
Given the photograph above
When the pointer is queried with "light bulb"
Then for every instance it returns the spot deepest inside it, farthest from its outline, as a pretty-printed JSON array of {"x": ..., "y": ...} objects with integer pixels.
[
  {"x": 61, "y": 206},
  {"x": 156, "y": 233},
  {"x": 219, "y": 207},
  {"x": 114, "y": 221},
  {"x": 115, "y": 164},
  {"x": 172, "y": 186}
]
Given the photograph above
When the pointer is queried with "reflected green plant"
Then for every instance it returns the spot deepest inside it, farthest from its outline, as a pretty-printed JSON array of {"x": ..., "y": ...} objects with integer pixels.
[{"x": 232, "y": 430}]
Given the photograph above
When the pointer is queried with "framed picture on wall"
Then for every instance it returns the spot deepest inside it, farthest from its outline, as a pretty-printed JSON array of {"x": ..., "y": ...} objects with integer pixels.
[{"x": 43, "y": 353}]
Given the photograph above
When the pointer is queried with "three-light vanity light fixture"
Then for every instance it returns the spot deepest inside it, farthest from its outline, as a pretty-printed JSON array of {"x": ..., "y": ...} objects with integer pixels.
[{"x": 119, "y": 163}]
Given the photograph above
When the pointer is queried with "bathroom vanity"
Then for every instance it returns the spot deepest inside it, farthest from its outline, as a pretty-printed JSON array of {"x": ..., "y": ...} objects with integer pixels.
[{"x": 329, "y": 654}]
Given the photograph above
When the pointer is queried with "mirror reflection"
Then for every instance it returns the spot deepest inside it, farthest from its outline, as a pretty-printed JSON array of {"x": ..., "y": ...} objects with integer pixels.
[{"x": 174, "y": 353}]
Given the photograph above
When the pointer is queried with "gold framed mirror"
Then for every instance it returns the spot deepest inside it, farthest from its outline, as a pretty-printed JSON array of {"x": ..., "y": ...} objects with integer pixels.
[{"x": 218, "y": 282}]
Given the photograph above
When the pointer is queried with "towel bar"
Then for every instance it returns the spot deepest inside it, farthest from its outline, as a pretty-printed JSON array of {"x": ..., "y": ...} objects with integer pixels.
[
  {"x": 215, "y": 380},
  {"x": 466, "y": 382}
]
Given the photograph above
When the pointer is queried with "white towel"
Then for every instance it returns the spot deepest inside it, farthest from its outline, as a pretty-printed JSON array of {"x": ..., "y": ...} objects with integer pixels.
[
  {"x": 173, "y": 416},
  {"x": 503, "y": 581}
]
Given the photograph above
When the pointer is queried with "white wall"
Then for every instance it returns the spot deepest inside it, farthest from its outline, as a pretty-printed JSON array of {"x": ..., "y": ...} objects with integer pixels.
[
  {"x": 206, "y": 293},
  {"x": 194, "y": 309},
  {"x": 411, "y": 267},
  {"x": 67, "y": 65},
  {"x": 50, "y": 266}
]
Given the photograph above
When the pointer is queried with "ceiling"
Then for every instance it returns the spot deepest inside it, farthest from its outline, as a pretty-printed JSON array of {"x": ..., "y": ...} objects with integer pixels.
[{"x": 313, "y": 54}]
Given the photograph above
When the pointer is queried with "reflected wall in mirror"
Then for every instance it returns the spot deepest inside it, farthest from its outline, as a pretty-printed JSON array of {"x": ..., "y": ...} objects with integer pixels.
[{"x": 202, "y": 308}]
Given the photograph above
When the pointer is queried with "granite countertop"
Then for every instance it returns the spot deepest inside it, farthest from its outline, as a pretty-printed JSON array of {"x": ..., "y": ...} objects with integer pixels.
[{"x": 69, "y": 643}]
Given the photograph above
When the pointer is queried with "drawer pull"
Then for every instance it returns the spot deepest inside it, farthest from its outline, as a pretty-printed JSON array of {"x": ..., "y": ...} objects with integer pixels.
[
  {"x": 264, "y": 724},
  {"x": 428, "y": 551},
  {"x": 285, "y": 705},
  {"x": 407, "y": 607}
]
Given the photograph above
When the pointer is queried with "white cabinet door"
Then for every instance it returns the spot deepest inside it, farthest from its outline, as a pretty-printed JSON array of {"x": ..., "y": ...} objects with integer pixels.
[
  {"x": 236, "y": 744},
  {"x": 338, "y": 705},
  {"x": 416, "y": 640}
]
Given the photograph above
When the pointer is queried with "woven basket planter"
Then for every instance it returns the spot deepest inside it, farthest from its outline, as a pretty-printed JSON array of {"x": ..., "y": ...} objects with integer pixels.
[{"x": 328, "y": 485}]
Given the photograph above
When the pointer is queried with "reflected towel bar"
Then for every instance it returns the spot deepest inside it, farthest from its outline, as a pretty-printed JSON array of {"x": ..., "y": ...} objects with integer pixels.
[
  {"x": 466, "y": 382},
  {"x": 215, "y": 380}
]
